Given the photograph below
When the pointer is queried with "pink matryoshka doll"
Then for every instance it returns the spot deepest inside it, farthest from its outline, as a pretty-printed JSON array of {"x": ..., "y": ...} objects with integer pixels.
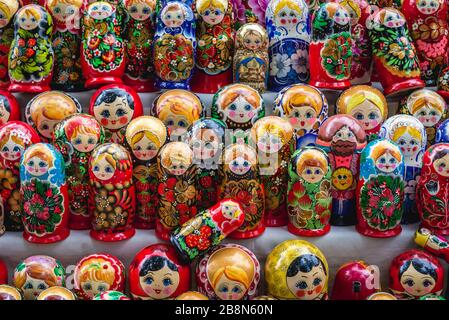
[
  {"x": 8, "y": 9},
  {"x": 156, "y": 273},
  {"x": 9, "y": 108},
  {"x": 112, "y": 198}
]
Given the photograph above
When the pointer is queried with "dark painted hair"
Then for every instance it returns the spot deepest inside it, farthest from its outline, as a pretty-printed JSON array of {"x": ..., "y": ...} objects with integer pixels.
[
  {"x": 440, "y": 154},
  {"x": 303, "y": 263},
  {"x": 420, "y": 265},
  {"x": 156, "y": 263},
  {"x": 110, "y": 95}
]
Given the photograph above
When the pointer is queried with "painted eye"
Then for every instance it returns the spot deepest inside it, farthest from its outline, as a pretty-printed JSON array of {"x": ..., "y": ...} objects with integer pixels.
[
  {"x": 146, "y": 11},
  {"x": 182, "y": 124},
  {"x": 174, "y": 167},
  {"x": 292, "y": 14},
  {"x": 104, "y": 8},
  {"x": 45, "y": 127},
  {"x": 317, "y": 171},
  {"x": 234, "y": 163},
  {"x": 96, "y": 168},
  {"x": 309, "y": 115},
  {"x": 217, "y": 12},
  {"x": 71, "y": 11},
  {"x": 283, "y": 14},
  {"x": 224, "y": 289},
  {"x": 42, "y": 164},
  {"x": 182, "y": 167},
  {"x": 372, "y": 116},
  {"x": 392, "y": 160},
  {"x": 317, "y": 281},
  {"x": 91, "y": 141},
  {"x": 401, "y": 142},
  {"x": 413, "y": 142},
  {"x": 101, "y": 288},
  {"x": 245, "y": 163},
  {"x": 22, "y": 19},
  {"x": 95, "y": 8},
  {"x": 233, "y": 107},
  {"x": 31, "y": 163},
  {"x": 138, "y": 148},
  {"x": 77, "y": 141},
  {"x": 296, "y": 114},
  {"x": 179, "y": 17},
  {"x": 41, "y": 286},
  {"x": 207, "y": 12},
  {"x": 120, "y": 112},
  {"x": 105, "y": 113},
  {"x": 16, "y": 149},
  {"x": 236, "y": 289},
  {"x": 28, "y": 286},
  {"x": 208, "y": 145},
  {"x": 108, "y": 169},
  {"x": 427, "y": 283},
  {"x": 33, "y": 19},
  {"x": 350, "y": 134},
  {"x": 432, "y": 113},
  {"x": 151, "y": 147},
  {"x": 149, "y": 280},
  {"x": 410, "y": 283},
  {"x": 133, "y": 9},
  {"x": 422, "y": 113},
  {"x": 166, "y": 282},
  {"x": 57, "y": 10},
  {"x": 443, "y": 165},
  {"x": 308, "y": 171},
  {"x": 247, "y": 107},
  {"x": 359, "y": 116},
  {"x": 87, "y": 286},
  {"x": 301, "y": 285},
  {"x": 170, "y": 122},
  {"x": 5, "y": 149},
  {"x": 382, "y": 160},
  {"x": 168, "y": 16}
]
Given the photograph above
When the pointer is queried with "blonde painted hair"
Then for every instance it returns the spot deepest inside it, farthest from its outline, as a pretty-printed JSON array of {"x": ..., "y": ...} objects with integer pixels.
[
  {"x": 30, "y": 12},
  {"x": 202, "y": 5},
  {"x": 150, "y": 136},
  {"x": 287, "y": 3},
  {"x": 230, "y": 94},
  {"x": 384, "y": 147},
  {"x": 97, "y": 269},
  {"x": 311, "y": 158},
  {"x": 41, "y": 153},
  {"x": 82, "y": 129},
  {"x": 273, "y": 125},
  {"x": 307, "y": 97},
  {"x": 6, "y": 6},
  {"x": 36, "y": 271},
  {"x": 233, "y": 273},
  {"x": 178, "y": 151},
  {"x": 108, "y": 158},
  {"x": 76, "y": 3},
  {"x": 353, "y": 5},
  {"x": 14, "y": 139},
  {"x": 415, "y": 133},
  {"x": 424, "y": 101},
  {"x": 179, "y": 102}
]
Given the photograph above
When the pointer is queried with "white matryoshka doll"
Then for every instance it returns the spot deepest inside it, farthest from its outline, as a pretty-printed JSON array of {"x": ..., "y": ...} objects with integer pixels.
[{"x": 409, "y": 134}]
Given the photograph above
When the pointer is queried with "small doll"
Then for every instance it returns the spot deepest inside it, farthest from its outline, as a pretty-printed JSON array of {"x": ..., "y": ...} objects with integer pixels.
[
  {"x": 241, "y": 181},
  {"x": 432, "y": 243},
  {"x": 409, "y": 134},
  {"x": 76, "y": 137},
  {"x": 145, "y": 136},
  {"x": 47, "y": 109},
  {"x": 309, "y": 198},
  {"x": 249, "y": 11},
  {"x": 67, "y": 74},
  {"x": 414, "y": 274},
  {"x": 8, "y": 9},
  {"x": 56, "y": 293},
  {"x": 10, "y": 293},
  {"x": 251, "y": 56},
  {"x": 331, "y": 47},
  {"x": 15, "y": 137},
  {"x": 367, "y": 105},
  {"x": 297, "y": 269},
  {"x": 156, "y": 273},
  {"x": 138, "y": 43},
  {"x": 306, "y": 108},
  {"x": 9, "y": 107},
  {"x": 98, "y": 273},
  {"x": 206, "y": 230},
  {"x": 177, "y": 192},
  {"x": 229, "y": 272},
  {"x": 37, "y": 273},
  {"x": 102, "y": 45},
  {"x": 111, "y": 296},
  {"x": 30, "y": 59},
  {"x": 174, "y": 46},
  {"x": 288, "y": 27},
  {"x": 112, "y": 198},
  {"x": 380, "y": 190},
  {"x": 114, "y": 106},
  {"x": 215, "y": 35},
  {"x": 273, "y": 137}
]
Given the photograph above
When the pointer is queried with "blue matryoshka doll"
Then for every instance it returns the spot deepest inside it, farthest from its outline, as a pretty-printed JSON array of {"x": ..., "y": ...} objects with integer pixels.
[{"x": 442, "y": 134}]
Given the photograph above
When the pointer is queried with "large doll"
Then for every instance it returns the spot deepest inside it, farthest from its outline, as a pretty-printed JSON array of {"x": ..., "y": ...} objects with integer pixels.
[
  {"x": 8, "y": 9},
  {"x": 9, "y": 108}
]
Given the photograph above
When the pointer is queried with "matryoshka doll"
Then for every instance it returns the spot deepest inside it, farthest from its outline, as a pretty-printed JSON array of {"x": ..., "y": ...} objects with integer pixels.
[
  {"x": 102, "y": 46},
  {"x": 230, "y": 272},
  {"x": 111, "y": 295},
  {"x": 367, "y": 105},
  {"x": 241, "y": 181},
  {"x": 49, "y": 108},
  {"x": 112, "y": 198},
  {"x": 414, "y": 274},
  {"x": 9, "y": 107},
  {"x": 427, "y": 21},
  {"x": 145, "y": 136},
  {"x": 9, "y": 293},
  {"x": 306, "y": 109},
  {"x": 215, "y": 36},
  {"x": 56, "y": 293},
  {"x": 343, "y": 138},
  {"x": 443, "y": 83},
  {"x": 76, "y": 137},
  {"x": 331, "y": 47},
  {"x": 273, "y": 137},
  {"x": 114, "y": 106},
  {"x": 138, "y": 43},
  {"x": 297, "y": 269},
  {"x": 8, "y": 9},
  {"x": 15, "y": 137},
  {"x": 309, "y": 198},
  {"x": 432, "y": 243},
  {"x": 394, "y": 55},
  {"x": 176, "y": 191},
  {"x": 250, "y": 64},
  {"x": 409, "y": 134},
  {"x": 98, "y": 273},
  {"x": 288, "y": 27},
  {"x": 156, "y": 273},
  {"x": 37, "y": 273},
  {"x": 380, "y": 190},
  {"x": 174, "y": 46}
]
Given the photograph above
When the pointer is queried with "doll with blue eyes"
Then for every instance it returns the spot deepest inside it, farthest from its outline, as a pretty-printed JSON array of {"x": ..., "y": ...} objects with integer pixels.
[{"x": 8, "y": 9}]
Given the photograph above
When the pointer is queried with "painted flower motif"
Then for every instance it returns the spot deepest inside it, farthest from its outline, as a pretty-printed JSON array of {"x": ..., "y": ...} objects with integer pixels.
[
  {"x": 259, "y": 7},
  {"x": 280, "y": 65},
  {"x": 299, "y": 61},
  {"x": 432, "y": 30}
]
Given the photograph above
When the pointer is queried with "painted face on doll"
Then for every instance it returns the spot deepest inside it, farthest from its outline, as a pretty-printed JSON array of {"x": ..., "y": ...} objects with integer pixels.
[
  {"x": 228, "y": 211},
  {"x": 174, "y": 17},
  {"x": 253, "y": 41},
  {"x": 62, "y": 12},
  {"x": 312, "y": 174},
  {"x": 205, "y": 146},
  {"x": 46, "y": 126},
  {"x": 177, "y": 124},
  {"x": 269, "y": 143},
  {"x": 11, "y": 150},
  {"x": 342, "y": 178},
  {"x": 140, "y": 11},
  {"x": 367, "y": 114},
  {"x": 103, "y": 170},
  {"x": 393, "y": 19},
  {"x": 341, "y": 17},
  {"x": 28, "y": 21},
  {"x": 416, "y": 283},
  {"x": 428, "y": 116},
  {"x": 115, "y": 115},
  {"x": 100, "y": 10},
  {"x": 4, "y": 113},
  {"x": 408, "y": 145},
  {"x": 91, "y": 288},
  {"x": 442, "y": 166},
  {"x": 145, "y": 149},
  {"x": 307, "y": 285},
  {"x": 84, "y": 142},
  {"x": 427, "y": 6},
  {"x": 303, "y": 117},
  {"x": 177, "y": 167},
  {"x": 344, "y": 134},
  {"x": 33, "y": 287},
  {"x": 37, "y": 166},
  {"x": 212, "y": 15},
  {"x": 287, "y": 18},
  {"x": 160, "y": 284},
  {"x": 227, "y": 289},
  {"x": 240, "y": 110},
  {"x": 386, "y": 163},
  {"x": 3, "y": 19},
  {"x": 240, "y": 166},
  {"x": 353, "y": 16}
]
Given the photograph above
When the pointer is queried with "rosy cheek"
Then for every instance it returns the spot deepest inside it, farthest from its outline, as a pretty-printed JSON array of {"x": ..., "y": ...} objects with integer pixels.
[
  {"x": 283, "y": 21},
  {"x": 137, "y": 153},
  {"x": 235, "y": 296},
  {"x": 18, "y": 153},
  {"x": 434, "y": 119},
  {"x": 250, "y": 114},
  {"x": 440, "y": 169},
  {"x": 123, "y": 120},
  {"x": 318, "y": 289},
  {"x": 374, "y": 122},
  {"x": 294, "y": 21},
  {"x": 300, "y": 293},
  {"x": 32, "y": 169},
  {"x": 294, "y": 121},
  {"x": 390, "y": 24},
  {"x": 43, "y": 169},
  {"x": 311, "y": 121},
  {"x": 232, "y": 114},
  {"x": 167, "y": 291},
  {"x": 422, "y": 119},
  {"x": 381, "y": 166},
  {"x": 414, "y": 149},
  {"x": 104, "y": 122}
]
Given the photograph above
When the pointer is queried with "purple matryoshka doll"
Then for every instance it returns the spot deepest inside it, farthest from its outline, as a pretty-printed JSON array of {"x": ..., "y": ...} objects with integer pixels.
[{"x": 8, "y": 9}]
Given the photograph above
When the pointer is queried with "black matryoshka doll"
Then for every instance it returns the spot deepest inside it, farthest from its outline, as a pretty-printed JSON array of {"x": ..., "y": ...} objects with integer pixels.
[
  {"x": 145, "y": 136},
  {"x": 76, "y": 137},
  {"x": 9, "y": 108},
  {"x": 8, "y": 9},
  {"x": 112, "y": 198}
]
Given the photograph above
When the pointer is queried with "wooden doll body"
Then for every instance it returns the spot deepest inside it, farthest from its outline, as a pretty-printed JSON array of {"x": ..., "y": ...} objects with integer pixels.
[
  {"x": 3, "y": 273},
  {"x": 432, "y": 243},
  {"x": 76, "y": 137},
  {"x": 44, "y": 191},
  {"x": 9, "y": 108},
  {"x": 8, "y": 9},
  {"x": 353, "y": 281}
]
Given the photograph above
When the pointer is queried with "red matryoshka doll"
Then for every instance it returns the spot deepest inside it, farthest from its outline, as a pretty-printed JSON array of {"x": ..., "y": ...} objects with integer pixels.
[
  {"x": 49, "y": 108},
  {"x": 9, "y": 107},
  {"x": 251, "y": 56},
  {"x": 56, "y": 293},
  {"x": 138, "y": 42},
  {"x": 432, "y": 189},
  {"x": 241, "y": 181},
  {"x": 230, "y": 272},
  {"x": 3, "y": 273},
  {"x": 414, "y": 274},
  {"x": 112, "y": 198},
  {"x": 37, "y": 273},
  {"x": 215, "y": 36},
  {"x": 343, "y": 138},
  {"x": 102, "y": 46},
  {"x": 207, "y": 229},
  {"x": 427, "y": 21},
  {"x": 273, "y": 137},
  {"x": 98, "y": 273},
  {"x": 177, "y": 191},
  {"x": 9, "y": 293},
  {"x": 432, "y": 243},
  {"x": 367, "y": 105},
  {"x": 15, "y": 137},
  {"x": 76, "y": 137},
  {"x": 331, "y": 47},
  {"x": 297, "y": 269},
  {"x": 306, "y": 109},
  {"x": 145, "y": 136},
  {"x": 380, "y": 190},
  {"x": 394, "y": 55},
  {"x": 114, "y": 106},
  {"x": 110, "y": 296},
  {"x": 309, "y": 197},
  {"x": 156, "y": 273},
  {"x": 8, "y": 9}
]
